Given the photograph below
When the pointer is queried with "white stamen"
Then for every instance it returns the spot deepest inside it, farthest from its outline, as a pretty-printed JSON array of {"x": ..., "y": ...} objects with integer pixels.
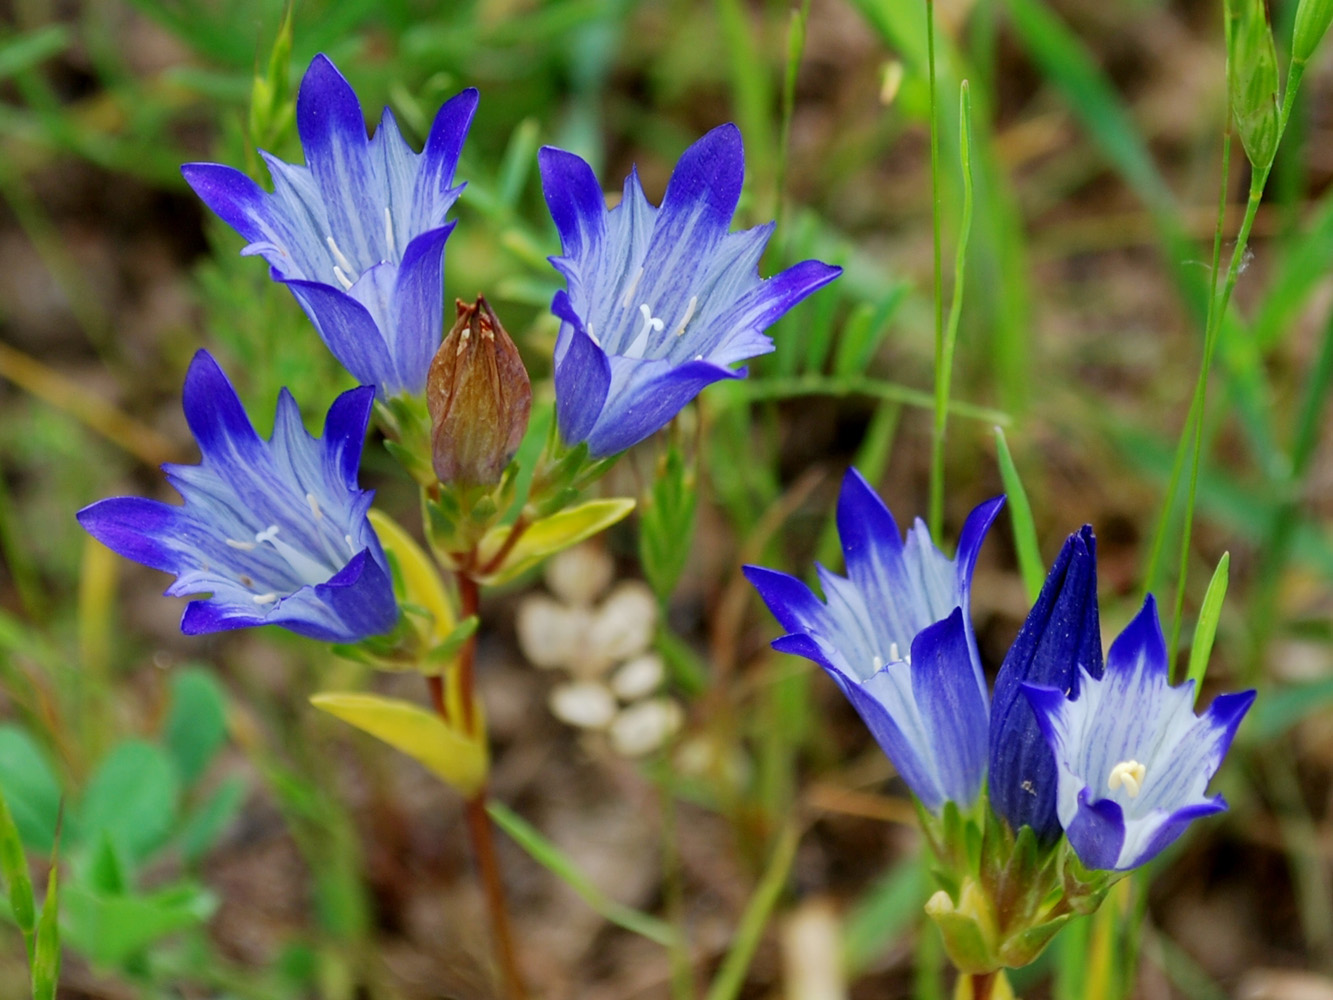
[
  {"x": 243, "y": 546},
  {"x": 650, "y": 322},
  {"x": 268, "y": 534},
  {"x": 877, "y": 663},
  {"x": 893, "y": 653},
  {"x": 388, "y": 232},
  {"x": 338, "y": 255},
  {"x": 593, "y": 337},
  {"x": 314, "y": 506},
  {"x": 1129, "y": 773},
  {"x": 343, "y": 280},
  {"x": 350, "y": 544},
  {"x": 633, "y": 287},
  {"x": 689, "y": 314},
  {"x": 265, "y": 598}
]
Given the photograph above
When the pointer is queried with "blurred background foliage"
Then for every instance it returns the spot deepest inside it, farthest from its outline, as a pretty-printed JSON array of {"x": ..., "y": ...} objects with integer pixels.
[{"x": 222, "y": 840}]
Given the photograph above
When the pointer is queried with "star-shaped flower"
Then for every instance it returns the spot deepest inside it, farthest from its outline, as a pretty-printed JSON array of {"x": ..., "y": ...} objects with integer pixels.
[
  {"x": 275, "y": 532},
  {"x": 896, "y": 635},
  {"x": 660, "y": 302},
  {"x": 1134, "y": 761},
  {"x": 357, "y": 233}
]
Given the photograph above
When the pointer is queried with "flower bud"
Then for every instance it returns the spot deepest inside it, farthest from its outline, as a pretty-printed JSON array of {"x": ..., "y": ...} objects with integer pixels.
[
  {"x": 1312, "y": 20},
  {"x": 479, "y": 398},
  {"x": 1252, "y": 61}
]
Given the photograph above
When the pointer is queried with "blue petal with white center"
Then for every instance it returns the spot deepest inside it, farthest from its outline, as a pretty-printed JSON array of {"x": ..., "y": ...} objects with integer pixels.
[
  {"x": 1133, "y": 759},
  {"x": 357, "y": 233},
  {"x": 1062, "y": 632},
  {"x": 274, "y": 531},
  {"x": 660, "y": 302},
  {"x": 896, "y": 636}
]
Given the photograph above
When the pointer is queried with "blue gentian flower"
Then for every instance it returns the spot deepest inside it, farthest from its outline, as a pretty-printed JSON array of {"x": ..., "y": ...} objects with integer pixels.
[
  {"x": 1133, "y": 759},
  {"x": 357, "y": 233},
  {"x": 1061, "y": 633},
  {"x": 660, "y": 302},
  {"x": 896, "y": 635},
  {"x": 274, "y": 531}
]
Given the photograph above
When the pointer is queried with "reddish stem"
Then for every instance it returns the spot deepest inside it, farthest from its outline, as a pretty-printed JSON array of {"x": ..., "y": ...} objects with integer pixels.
[
  {"x": 495, "y": 561},
  {"x": 983, "y": 984},
  {"x": 483, "y": 848},
  {"x": 468, "y": 599}
]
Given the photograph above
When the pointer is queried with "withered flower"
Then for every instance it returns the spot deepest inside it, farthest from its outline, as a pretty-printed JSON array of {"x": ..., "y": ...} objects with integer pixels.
[{"x": 479, "y": 398}]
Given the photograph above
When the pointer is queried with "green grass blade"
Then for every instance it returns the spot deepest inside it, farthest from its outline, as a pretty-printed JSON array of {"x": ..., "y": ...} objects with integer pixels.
[
  {"x": 944, "y": 354},
  {"x": 46, "y": 951},
  {"x": 14, "y": 867},
  {"x": 559, "y": 864},
  {"x": 1206, "y": 628},
  {"x": 731, "y": 976},
  {"x": 1030, "y": 564}
]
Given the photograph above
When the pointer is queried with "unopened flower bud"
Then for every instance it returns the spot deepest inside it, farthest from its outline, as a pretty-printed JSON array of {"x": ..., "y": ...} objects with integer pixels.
[{"x": 479, "y": 398}]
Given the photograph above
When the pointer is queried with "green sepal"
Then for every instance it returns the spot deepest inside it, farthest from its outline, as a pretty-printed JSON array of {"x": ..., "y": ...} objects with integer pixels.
[{"x": 452, "y": 644}]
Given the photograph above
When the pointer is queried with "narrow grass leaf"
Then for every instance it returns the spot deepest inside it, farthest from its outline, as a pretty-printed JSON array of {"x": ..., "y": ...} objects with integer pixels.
[
  {"x": 1030, "y": 564},
  {"x": 731, "y": 975},
  {"x": 46, "y": 949},
  {"x": 1206, "y": 628},
  {"x": 559, "y": 864}
]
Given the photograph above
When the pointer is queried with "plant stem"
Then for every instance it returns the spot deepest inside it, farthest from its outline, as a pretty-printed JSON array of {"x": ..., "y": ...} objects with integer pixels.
[
  {"x": 483, "y": 847},
  {"x": 478, "y": 821},
  {"x": 982, "y": 985},
  {"x": 936, "y": 494}
]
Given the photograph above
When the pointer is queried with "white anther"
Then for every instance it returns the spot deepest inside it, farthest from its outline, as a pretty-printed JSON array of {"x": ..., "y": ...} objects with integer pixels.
[
  {"x": 388, "y": 232},
  {"x": 689, "y": 315},
  {"x": 268, "y": 534},
  {"x": 877, "y": 663},
  {"x": 592, "y": 336},
  {"x": 243, "y": 546},
  {"x": 338, "y": 257},
  {"x": 314, "y": 506},
  {"x": 343, "y": 280},
  {"x": 633, "y": 287},
  {"x": 265, "y": 598},
  {"x": 350, "y": 544},
  {"x": 893, "y": 653},
  {"x": 1129, "y": 773}
]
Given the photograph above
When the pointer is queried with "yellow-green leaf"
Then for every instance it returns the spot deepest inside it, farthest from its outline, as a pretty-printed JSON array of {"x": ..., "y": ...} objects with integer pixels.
[
  {"x": 549, "y": 536},
  {"x": 459, "y": 760},
  {"x": 421, "y": 579}
]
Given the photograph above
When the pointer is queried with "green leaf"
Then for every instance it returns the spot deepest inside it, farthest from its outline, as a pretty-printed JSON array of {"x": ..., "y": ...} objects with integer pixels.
[
  {"x": 205, "y": 823},
  {"x": 111, "y": 929},
  {"x": 132, "y": 797},
  {"x": 883, "y": 913},
  {"x": 30, "y": 787},
  {"x": 1020, "y": 514},
  {"x": 458, "y": 760},
  {"x": 555, "y": 861},
  {"x": 666, "y": 523},
  {"x": 1206, "y": 629},
  {"x": 548, "y": 536},
  {"x": 14, "y": 867},
  {"x": 26, "y": 51},
  {"x": 105, "y": 874},
  {"x": 46, "y": 950},
  {"x": 196, "y": 726}
]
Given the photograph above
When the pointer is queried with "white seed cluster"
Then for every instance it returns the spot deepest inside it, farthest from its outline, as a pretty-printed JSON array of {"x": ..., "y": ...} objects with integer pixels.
[{"x": 613, "y": 678}]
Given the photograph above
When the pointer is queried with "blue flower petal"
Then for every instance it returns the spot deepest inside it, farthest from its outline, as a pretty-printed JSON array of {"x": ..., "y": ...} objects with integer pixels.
[
  {"x": 418, "y": 309},
  {"x": 275, "y": 532},
  {"x": 582, "y": 377},
  {"x": 952, "y": 707},
  {"x": 1061, "y": 633},
  {"x": 1133, "y": 760},
  {"x": 434, "y": 193},
  {"x": 350, "y": 332},
  {"x": 909, "y": 669},
  {"x": 661, "y": 292}
]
